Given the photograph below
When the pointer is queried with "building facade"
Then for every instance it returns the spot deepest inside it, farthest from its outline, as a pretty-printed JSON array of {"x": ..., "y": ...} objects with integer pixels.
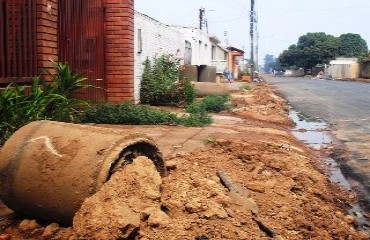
[
  {"x": 197, "y": 49},
  {"x": 95, "y": 37}
]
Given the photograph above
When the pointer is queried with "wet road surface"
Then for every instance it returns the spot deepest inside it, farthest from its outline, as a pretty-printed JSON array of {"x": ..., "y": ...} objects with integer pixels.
[{"x": 345, "y": 106}]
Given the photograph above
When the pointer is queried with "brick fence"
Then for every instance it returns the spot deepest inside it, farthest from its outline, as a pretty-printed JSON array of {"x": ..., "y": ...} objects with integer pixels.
[
  {"x": 118, "y": 54},
  {"x": 119, "y": 50}
]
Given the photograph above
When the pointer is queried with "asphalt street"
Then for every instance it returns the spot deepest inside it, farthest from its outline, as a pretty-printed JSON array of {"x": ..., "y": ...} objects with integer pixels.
[{"x": 345, "y": 106}]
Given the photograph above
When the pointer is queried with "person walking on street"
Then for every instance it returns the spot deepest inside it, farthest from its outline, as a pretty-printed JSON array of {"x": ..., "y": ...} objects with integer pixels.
[{"x": 227, "y": 74}]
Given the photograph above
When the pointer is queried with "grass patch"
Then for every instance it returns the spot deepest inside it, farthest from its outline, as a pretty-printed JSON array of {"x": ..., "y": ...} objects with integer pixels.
[
  {"x": 131, "y": 114},
  {"x": 245, "y": 87},
  {"x": 214, "y": 104}
]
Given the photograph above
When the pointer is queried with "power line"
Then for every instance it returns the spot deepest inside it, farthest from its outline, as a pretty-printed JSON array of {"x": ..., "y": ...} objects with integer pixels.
[
  {"x": 252, "y": 19},
  {"x": 237, "y": 7},
  {"x": 314, "y": 10},
  {"x": 229, "y": 20}
]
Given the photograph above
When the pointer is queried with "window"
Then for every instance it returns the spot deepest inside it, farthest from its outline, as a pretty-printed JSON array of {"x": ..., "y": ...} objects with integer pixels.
[
  {"x": 139, "y": 41},
  {"x": 187, "y": 58}
]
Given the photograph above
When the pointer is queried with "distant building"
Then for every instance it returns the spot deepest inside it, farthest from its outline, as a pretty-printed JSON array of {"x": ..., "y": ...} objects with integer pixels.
[{"x": 344, "y": 68}]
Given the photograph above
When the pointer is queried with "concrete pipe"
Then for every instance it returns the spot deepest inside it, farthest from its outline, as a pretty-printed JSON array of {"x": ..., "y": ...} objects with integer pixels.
[
  {"x": 207, "y": 89},
  {"x": 48, "y": 168}
]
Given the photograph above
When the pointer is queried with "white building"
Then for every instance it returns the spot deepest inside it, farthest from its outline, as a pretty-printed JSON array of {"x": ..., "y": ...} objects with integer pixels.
[
  {"x": 192, "y": 45},
  {"x": 203, "y": 48},
  {"x": 153, "y": 38}
]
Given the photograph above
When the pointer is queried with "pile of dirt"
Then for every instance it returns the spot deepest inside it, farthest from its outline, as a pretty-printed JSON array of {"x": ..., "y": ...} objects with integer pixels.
[
  {"x": 295, "y": 199},
  {"x": 261, "y": 104},
  {"x": 130, "y": 198}
]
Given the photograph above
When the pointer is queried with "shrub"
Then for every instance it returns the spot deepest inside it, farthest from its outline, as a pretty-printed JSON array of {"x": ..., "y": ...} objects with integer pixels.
[
  {"x": 216, "y": 103},
  {"x": 161, "y": 85},
  {"x": 66, "y": 81},
  {"x": 188, "y": 91},
  {"x": 20, "y": 106},
  {"x": 245, "y": 87},
  {"x": 128, "y": 113}
]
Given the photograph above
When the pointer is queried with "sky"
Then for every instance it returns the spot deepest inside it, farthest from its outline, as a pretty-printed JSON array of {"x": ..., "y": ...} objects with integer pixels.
[{"x": 280, "y": 22}]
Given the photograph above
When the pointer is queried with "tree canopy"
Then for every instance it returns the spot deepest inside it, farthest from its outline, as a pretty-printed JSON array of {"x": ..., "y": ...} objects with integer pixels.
[
  {"x": 352, "y": 45},
  {"x": 320, "y": 48}
]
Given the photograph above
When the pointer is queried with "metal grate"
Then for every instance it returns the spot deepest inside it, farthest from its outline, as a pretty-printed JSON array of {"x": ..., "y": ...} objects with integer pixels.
[
  {"x": 18, "y": 59},
  {"x": 81, "y": 42}
]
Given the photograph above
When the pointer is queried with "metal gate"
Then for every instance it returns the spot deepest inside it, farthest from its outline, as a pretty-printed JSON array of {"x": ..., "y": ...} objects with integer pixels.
[
  {"x": 18, "y": 58},
  {"x": 81, "y": 42}
]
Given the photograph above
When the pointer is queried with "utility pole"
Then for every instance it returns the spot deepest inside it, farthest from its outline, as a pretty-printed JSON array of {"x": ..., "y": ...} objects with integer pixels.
[
  {"x": 257, "y": 43},
  {"x": 201, "y": 17},
  {"x": 252, "y": 39},
  {"x": 226, "y": 39}
]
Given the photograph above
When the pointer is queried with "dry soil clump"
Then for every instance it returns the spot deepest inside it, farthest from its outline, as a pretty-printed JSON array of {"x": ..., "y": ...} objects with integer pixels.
[{"x": 132, "y": 195}]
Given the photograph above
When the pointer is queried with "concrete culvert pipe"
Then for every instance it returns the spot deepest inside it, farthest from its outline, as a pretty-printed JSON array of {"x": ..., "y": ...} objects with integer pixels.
[{"x": 48, "y": 168}]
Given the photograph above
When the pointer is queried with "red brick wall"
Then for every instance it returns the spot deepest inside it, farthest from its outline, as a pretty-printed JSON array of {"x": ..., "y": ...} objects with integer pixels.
[
  {"x": 119, "y": 45},
  {"x": 47, "y": 35},
  {"x": 119, "y": 50}
]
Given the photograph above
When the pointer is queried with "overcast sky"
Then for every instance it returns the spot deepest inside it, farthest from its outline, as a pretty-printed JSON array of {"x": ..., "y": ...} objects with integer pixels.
[{"x": 280, "y": 22}]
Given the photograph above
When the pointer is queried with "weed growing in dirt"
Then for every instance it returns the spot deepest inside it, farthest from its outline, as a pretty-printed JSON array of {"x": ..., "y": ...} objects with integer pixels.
[
  {"x": 161, "y": 85},
  {"x": 245, "y": 87},
  {"x": 216, "y": 103},
  {"x": 129, "y": 113}
]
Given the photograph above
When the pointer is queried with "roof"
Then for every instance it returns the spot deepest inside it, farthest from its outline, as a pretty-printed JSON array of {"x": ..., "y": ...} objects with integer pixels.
[
  {"x": 214, "y": 39},
  {"x": 234, "y": 49},
  {"x": 344, "y": 61}
]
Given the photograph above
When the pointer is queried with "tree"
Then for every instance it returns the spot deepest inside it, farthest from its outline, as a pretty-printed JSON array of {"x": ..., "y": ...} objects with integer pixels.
[
  {"x": 277, "y": 65},
  {"x": 352, "y": 45},
  {"x": 311, "y": 49},
  {"x": 269, "y": 62},
  {"x": 365, "y": 57}
]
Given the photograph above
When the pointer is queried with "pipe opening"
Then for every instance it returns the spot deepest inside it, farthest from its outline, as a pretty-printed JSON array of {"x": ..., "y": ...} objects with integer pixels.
[{"x": 128, "y": 154}]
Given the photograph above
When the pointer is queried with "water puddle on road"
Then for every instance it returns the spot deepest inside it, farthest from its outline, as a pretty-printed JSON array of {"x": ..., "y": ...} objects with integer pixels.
[{"x": 315, "y": 133}]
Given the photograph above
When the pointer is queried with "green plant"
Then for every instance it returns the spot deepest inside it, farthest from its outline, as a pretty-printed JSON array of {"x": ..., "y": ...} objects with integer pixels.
[
  {"x": 20, "y": 105},
  {"x": 128, "y": 113},
  {"x": 18, "y": 108},
  {"x": 364, "y": 57},
  {"x": 215, "y": 103},
  {"x": 189, "y": 91},
  {"x": 161, "y": 85},
  {"x": 66, "y": 81},
  {"x": 245, "y": 87}
]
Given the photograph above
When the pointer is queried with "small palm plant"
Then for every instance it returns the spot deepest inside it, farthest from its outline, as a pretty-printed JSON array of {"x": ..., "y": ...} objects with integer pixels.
[
  {"x": 66, "y": 81},
  {"x": 43, "y": 100}
]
